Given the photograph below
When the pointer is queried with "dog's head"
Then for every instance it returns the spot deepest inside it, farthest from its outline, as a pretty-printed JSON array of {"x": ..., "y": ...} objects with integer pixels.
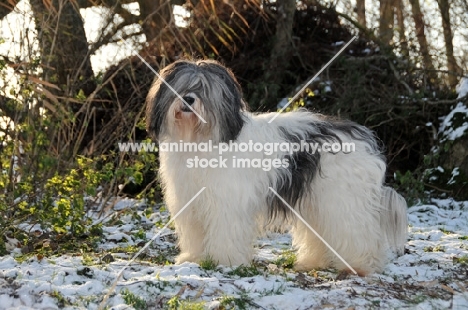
[{"x": 195, "y": 101}]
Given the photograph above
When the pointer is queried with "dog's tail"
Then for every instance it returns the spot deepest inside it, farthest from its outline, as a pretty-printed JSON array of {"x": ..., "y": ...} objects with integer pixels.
[{"x": 394, "y": 220}]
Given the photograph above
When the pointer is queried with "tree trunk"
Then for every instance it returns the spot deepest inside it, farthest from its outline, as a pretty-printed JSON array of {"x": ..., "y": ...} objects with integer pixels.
[
  {"x": 64, "y": 48},
  {"x": 453, "y": 68},
  {"x": 423, "y": 46},
  {"x": 361, "y": 12},
  {"x": 401, "y": 27},
  {"x": 386, "y": 21},
  {"x": 65, "y": 62},
  {"x": 281, "y": 52},
  {"x": 284, "y": 25}
]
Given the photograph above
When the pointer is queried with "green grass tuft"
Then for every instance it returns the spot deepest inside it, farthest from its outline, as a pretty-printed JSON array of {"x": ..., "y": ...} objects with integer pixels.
[
  {"x": 463, "y": 260},
  {"x": 286, "y": 260},
  {"x": 133, "y": 300},
  {"x": 232, "y": 302},
  {"x": 176, "y": 304},
  {"x": 245, "y": 271},
  {"x": 208, "y": 264}
]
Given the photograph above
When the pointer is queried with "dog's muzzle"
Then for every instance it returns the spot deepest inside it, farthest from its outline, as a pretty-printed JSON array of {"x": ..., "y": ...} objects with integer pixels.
[{"x": 189, "y": 100}]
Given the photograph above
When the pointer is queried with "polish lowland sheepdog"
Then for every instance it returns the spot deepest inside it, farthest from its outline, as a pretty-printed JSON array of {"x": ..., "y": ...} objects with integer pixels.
[{"x": 249, "y": 185}]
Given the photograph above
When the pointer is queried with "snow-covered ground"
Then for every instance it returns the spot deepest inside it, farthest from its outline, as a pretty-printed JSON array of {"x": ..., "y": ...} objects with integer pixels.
[{"x": 433, "y": 274}]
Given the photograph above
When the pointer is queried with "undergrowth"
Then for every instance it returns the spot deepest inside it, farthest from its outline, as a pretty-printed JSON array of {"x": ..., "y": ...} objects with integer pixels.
[{"x": 48, "y": 191}]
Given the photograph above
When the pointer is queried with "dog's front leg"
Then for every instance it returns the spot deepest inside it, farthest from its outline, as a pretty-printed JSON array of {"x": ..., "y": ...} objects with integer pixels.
[{"x": 229, "y": 225}]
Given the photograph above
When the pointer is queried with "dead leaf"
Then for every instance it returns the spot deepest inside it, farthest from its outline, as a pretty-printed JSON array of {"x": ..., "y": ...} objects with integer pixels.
[
  {"x": 448, "y": 288},
  {"x": 41, "y": 82},
  {"x": 47, "y": 94}
]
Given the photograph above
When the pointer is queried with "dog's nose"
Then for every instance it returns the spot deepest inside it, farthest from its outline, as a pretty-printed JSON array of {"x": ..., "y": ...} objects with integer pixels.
[{"x": 189, "y": 100}]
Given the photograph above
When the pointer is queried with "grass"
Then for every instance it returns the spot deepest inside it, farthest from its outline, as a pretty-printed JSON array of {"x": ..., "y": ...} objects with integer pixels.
[
  {"x": 208, "y": 264},
  {"x": 438, "y": 248},
  {"x": 61, "y": 300},
  {"x": 245, "y": 271},
  {"x": 286, "y": 259},
  {"x": 129, "y": 249},
  {"x": 274, "y": 291},
  {"x": 176, "y": 304},
  {"x": 140, "y": 234},
  {"x": 417, "y": 299},
  {"x": 133, "y": 300},
  {"x": 232, "y": 302},
  {"x": 463, "y": 260},
  {"x": 446, "y": 231},
  {"x": 87, "y": 260}
]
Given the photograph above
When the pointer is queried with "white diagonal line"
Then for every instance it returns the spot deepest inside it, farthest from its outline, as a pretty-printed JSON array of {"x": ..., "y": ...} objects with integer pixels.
[
  {"x": 104, "y": 301},
  {"x": 167, "y": 84},
  {"x": 312, "y": 79},
  {"x": 313, "y": 230}
]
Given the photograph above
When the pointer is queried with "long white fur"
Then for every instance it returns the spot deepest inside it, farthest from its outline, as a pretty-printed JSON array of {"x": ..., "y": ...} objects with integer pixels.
[{"x": 346, "y": 203}]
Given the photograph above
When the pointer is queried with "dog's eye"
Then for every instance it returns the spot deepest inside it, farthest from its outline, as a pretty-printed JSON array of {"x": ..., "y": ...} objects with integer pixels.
[{"x": 189, "y": 100}]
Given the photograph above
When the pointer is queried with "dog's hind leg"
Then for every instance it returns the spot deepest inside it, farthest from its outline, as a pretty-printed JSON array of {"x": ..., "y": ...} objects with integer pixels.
[
  {"x": 393, "y": 219},
  {"x": 345, "y": 211},
  {"x": 312, "y": 253}
]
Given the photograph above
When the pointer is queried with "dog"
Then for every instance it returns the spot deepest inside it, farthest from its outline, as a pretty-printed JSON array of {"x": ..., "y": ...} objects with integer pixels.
[{"x": 340, "y": 195}]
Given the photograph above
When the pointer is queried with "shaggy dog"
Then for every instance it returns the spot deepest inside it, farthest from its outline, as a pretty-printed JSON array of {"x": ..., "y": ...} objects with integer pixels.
[{"x": 253, "y": 170}]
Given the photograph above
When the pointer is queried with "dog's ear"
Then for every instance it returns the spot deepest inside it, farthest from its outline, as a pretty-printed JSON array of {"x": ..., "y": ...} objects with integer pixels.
[
  {"x": 159, "y": 98},
  {"x": 226, "y": 99},
  {"x": 226, "y": 76},
  {"x": 233, "y": 117},
  {"x": 154, "y": 117}
]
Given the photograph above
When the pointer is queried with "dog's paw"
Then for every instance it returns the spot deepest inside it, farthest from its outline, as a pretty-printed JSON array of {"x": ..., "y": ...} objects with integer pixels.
[
  {"x": 186, "y": 257},
  {"x": 345, "y": 273},
  {"x": 308, "y": 266},
  {"x": 310, "y": 262}
]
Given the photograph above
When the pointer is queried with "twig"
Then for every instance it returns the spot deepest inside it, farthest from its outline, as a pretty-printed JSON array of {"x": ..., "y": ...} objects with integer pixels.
[{"x": 438, "y": 188}]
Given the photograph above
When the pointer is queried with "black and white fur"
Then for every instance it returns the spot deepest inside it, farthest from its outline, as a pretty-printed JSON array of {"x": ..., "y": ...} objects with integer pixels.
[{"x": 340, "y": 195}]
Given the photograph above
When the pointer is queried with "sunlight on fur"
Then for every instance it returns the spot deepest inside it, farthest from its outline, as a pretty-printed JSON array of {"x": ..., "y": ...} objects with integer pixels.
[{"x": 341, "y": 195}]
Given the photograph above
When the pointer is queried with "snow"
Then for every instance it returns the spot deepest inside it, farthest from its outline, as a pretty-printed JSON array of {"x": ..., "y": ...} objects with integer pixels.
[
  {"x": 447, "y": 129},
  {"x": 455, "y": 173},
  {"x": 327, "y": 87},
  {"x": 427, "y": 276},
  {"x": 462, "y": 87},
  {"x": 283, "y": 102}
]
